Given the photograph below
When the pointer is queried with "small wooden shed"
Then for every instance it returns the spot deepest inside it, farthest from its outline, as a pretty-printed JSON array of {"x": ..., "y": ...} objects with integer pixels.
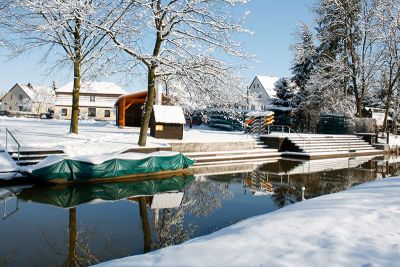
[
  {"x": 167, "y": 122},
  {"x": 129, "y": 109}
]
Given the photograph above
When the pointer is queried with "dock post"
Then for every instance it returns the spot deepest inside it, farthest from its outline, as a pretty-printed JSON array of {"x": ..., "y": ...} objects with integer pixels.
[{"x": 302, "y": 193}]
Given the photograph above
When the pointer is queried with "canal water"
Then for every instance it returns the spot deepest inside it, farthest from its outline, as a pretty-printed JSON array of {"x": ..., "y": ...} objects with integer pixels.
[{"x": 47, "y": 225}]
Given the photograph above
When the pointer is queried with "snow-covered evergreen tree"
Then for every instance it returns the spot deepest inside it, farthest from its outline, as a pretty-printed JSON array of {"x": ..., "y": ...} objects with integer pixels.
[
  {"x": 304, "y": 52},
  {"x": 285, "y": 91}
]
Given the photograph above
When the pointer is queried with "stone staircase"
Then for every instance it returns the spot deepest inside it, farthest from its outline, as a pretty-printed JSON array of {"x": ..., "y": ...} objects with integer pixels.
[
  {"x": 32, "y": 156},
  {"x": 328, "y": 146},
  {"x": 226, "y": 157}
]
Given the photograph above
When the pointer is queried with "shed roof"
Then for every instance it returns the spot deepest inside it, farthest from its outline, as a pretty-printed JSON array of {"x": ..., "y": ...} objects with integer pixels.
[{"x": 169, "y": 114}]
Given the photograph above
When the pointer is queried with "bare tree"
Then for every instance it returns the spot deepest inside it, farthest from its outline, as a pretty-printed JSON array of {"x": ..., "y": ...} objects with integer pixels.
[
  {"x": 60, "y": 28},
  {"x": 388, "y": 16},
  {"x": 182, "y": 38}
]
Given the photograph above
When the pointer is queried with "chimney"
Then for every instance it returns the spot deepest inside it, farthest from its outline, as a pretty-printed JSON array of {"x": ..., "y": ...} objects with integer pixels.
[{"x": 30, "y": 85}]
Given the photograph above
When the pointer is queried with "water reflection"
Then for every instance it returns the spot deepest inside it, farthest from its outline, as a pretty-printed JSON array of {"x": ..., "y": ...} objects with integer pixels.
[{"x": 86, "y": 224}]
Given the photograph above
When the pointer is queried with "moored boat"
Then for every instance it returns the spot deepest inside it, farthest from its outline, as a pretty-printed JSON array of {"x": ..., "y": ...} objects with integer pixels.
[{"x": 63, "y": 169}]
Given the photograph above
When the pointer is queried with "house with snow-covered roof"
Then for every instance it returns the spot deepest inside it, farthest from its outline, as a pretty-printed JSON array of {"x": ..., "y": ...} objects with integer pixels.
[
  {"x": 263, "y": 88},
  {"x": 28, "y": 98},
  {"x": 96, "y": 100}
]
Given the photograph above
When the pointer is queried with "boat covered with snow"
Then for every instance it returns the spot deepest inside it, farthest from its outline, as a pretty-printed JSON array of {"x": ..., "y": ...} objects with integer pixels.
[
  {"x": 63, "y": 169},
  {"x": 67, "y": 196}
]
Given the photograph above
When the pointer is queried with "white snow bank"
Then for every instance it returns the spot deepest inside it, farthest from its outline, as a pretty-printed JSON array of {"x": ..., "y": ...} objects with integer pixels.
[
  {"x": 7, "y": 164},
  {"x": 97, "y": 138},
  {"x": 358, "y": 227}
]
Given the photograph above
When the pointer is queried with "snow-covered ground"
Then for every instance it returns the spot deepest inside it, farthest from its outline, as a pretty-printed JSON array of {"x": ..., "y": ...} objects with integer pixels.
[
  {"x": 95, "y": 137},
  {"x": 357, "y": 227}
]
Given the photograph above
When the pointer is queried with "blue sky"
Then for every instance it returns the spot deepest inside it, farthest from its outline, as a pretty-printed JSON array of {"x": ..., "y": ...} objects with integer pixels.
[{"x": 272, "y": 21}]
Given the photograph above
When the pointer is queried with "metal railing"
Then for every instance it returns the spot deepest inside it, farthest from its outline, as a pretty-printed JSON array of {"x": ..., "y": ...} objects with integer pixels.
[
  {"x": 8, "y": 133},
  {"x": 290, "y": 130},
  {"x": 10, "y": 195}
]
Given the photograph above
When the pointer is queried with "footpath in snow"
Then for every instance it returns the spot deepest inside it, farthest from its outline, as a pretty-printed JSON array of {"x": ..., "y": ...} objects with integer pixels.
[{"x": 357, "y": 227}]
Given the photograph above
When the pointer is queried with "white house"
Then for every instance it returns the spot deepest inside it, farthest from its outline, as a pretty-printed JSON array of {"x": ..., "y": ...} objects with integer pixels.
[
  {"x": 28, "y": 98},
  {"x": 96, "y": 100},
  {"x": 263, "y": 88}
]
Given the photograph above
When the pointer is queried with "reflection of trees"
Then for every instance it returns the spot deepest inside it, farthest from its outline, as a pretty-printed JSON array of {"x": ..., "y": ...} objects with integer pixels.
[
  {"x": 204, "y": 197},
  {"x": 288, "y": 189},
  {"x": 201, "y": 198},
  {"x": 170, "y": 229},
  {"x": 7, "y": 260},
  {"x": 284, "y": 195},
  {"x": 77, "y": 250}
]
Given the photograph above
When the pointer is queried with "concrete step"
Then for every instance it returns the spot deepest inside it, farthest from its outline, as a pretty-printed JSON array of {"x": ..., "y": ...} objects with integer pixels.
[
  {"x": 212, "y": 146},
  {"x": 331, "y": 154},
  {"x": 327, "y": 141},
  {"x": 233, "y": 152},
  {"x": 338, "y": 149},
  {"x": 331, "y": 145},
  {"x": 238, "y": 161},
  {"x": 26, "y": 151},
  {"x": 27, "y": 162},
  {"x": 237, "y": 157},
  {"x": 32, "y": 156}
]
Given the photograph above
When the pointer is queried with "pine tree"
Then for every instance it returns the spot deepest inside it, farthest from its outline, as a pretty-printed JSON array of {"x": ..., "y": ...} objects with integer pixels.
[
  {"x": 304, "y": 56},
  {"x": 284, "y": 92}
]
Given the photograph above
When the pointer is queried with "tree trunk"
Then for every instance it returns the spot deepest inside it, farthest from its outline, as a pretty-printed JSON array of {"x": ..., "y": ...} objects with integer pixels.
[
  {"x": 73, "y": 236},
  {"x": 77, "y": 77},
  {"x": 75, "y": 98},
  {"x": 145, "y": 225},
  {"x": 151, "y": 93},
  {"x": 387, "y": 106}
]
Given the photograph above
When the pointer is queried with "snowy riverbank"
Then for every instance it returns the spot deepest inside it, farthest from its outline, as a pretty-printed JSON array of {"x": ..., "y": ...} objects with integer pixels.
[
  {"x": 97, "y": 137},
  {"x": 357, "y": 227}
]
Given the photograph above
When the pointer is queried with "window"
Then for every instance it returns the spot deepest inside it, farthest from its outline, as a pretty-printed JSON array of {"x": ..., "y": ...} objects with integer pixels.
[
  {"x": 64, "y": 112},
  {"x": 254, "y": 85},
  {"x": 20, "y": 108},
  {"x": 11, "y": 97},
  {"x": 92, "y": 112},
  {"x": 21, "y": 97},
  {"x": 92, "y": 98},
  {"x": 107, "y": 113},
  {"x": 258, "y": 86},
  {"x": 10, "y": 107}
]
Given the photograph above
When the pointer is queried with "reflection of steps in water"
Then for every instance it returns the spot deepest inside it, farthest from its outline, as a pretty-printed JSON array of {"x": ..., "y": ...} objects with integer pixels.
[
  {"x": 229, "y": 167},
  {"x": 320, "y": 165}
]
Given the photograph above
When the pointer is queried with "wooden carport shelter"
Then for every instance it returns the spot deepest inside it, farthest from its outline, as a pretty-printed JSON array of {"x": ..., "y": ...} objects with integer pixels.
[{"x": 129, "y": 109}]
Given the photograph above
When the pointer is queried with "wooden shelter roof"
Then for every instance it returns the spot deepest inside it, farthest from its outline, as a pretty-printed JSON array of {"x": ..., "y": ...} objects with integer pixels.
[{"x": 133, "y": 96}]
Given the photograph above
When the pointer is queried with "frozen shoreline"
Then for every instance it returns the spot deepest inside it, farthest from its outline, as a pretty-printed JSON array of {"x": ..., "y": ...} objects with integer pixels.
[{"x": 357, "y": 227}]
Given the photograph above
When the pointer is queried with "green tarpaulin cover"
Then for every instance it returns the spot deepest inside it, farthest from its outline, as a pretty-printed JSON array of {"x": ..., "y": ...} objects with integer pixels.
[
  {"x": 76, "y": 170},
  {"x": 70, "y": 196}
]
